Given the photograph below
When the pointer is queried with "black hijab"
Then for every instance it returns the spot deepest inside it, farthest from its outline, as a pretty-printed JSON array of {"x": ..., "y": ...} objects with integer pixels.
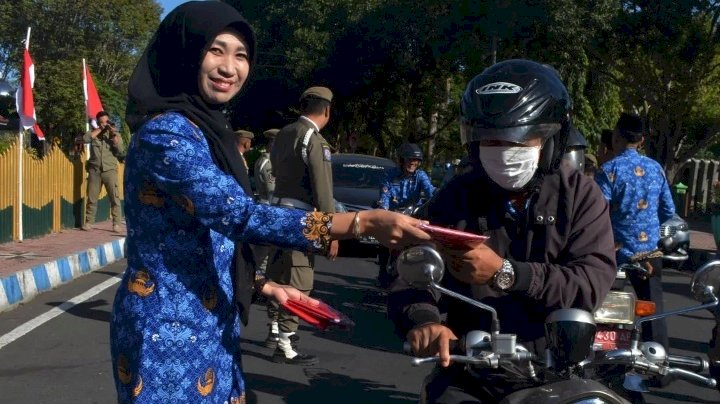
[{"x": 166, "y": 77}]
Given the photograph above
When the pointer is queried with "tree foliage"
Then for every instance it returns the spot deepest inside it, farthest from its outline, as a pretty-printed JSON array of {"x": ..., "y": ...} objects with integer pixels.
[
  {"x": 399, "y": 67},
  {"x": 110, "y": 35},
  {"x": 662, "y": 54}
]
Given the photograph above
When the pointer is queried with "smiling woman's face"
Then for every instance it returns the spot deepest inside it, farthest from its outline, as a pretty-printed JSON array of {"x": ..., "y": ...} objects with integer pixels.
[{"x": 224, "y": 68}]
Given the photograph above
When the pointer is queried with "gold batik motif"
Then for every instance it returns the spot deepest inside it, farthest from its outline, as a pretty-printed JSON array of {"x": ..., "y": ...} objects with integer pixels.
[
  {"x": 206, "y": 383},
  {"x": 317, "y": 228},
  {"x": 141, "y": 284}
]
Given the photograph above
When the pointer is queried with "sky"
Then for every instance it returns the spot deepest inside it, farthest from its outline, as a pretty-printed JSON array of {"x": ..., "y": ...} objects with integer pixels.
[{"x": 169, "y": 5}]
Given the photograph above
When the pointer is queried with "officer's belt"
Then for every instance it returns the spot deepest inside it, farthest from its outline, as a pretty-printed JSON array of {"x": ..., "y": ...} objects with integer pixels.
[{"x": 292, "y": 203}]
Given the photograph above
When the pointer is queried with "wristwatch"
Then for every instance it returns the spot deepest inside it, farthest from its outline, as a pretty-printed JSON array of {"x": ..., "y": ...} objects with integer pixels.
[
  {"x": 259, "y": 284},
  {"x": 504, "y": 278}
]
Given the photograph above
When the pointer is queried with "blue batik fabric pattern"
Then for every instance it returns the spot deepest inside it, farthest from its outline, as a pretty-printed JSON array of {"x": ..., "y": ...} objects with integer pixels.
[
  {"x": 175, "y": 330},
  {"x": 400, "y": 190},
  {"x": 640, "y": 199}
]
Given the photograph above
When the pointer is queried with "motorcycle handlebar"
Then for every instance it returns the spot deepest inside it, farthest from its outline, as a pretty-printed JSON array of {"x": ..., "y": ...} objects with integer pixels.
[
  {"x": 691, "y": 363},
  {"x": 456, "y": 346},
  {"x": 626, "y": 357},
  {"x": 470, "y": 360}
]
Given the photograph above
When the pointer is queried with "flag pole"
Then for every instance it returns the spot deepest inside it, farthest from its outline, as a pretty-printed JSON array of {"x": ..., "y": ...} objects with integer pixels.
[
  {"x": 85, "y": 95},
  {"x": 21, "y": 150}
]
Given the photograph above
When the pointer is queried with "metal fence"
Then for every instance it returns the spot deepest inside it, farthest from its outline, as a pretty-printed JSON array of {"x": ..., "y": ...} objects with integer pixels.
[{"x": 54, "y": 190}]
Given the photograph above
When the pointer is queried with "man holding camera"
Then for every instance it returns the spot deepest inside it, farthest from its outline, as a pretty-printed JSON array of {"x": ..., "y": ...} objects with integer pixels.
[{"x": 105, "y": 148}]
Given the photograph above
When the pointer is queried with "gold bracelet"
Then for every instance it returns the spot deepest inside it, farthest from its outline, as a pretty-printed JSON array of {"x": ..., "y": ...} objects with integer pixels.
[{"x": 356, "y": 225}]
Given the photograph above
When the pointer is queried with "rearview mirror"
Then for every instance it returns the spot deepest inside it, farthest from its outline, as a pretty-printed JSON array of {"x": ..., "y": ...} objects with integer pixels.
[
  {"x": 420, "y": 266},
  {"x": 705, "y": 283}
]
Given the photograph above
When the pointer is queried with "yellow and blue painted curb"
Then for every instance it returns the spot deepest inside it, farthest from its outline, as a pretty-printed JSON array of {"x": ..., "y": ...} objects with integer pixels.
[{"x": 24, "y": 285}]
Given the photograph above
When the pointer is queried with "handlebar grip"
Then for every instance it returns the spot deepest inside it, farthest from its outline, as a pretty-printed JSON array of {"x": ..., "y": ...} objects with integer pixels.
[{"x": 691, "y": 363}]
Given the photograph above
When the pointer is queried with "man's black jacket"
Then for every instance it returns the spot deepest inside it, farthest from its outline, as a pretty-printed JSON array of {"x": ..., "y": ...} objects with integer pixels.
[{"x": 561, "y": 248}]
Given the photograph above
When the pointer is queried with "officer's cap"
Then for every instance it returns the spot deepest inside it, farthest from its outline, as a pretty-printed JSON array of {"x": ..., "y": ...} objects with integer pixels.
[
  {"x": 271, "y": 133},
  {"x": 317, "y": 92},
  {"x": 244, "y": 134}
]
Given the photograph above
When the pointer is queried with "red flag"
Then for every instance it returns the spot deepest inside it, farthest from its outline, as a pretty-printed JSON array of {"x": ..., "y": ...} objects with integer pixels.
[
  {"x": 92, "y": 99},
  {"x": 24, "y": 96}
]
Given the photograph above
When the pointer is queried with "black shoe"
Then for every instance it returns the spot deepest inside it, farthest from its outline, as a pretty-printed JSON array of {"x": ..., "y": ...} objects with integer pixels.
[
  {"x": 272, "y": 340},
  {"x": 299, "y": 359}
]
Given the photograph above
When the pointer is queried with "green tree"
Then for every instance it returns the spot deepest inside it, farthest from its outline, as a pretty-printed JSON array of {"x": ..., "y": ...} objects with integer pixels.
[
  {"x": 110, "y": 35},
  {"x": 663, "y": 55}
]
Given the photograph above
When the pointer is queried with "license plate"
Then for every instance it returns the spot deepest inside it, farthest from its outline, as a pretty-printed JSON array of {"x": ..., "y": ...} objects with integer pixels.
[{"x": 608, "y": 338}]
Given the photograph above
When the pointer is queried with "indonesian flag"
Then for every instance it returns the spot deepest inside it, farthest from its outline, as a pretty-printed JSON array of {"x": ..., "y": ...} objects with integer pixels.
[
  {"x": 92, "y": 100},
  {"x": 24, "y": 97}
]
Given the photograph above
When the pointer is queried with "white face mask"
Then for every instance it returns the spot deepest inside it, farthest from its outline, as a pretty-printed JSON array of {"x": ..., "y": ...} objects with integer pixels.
[{"x": 511, "y": 167}]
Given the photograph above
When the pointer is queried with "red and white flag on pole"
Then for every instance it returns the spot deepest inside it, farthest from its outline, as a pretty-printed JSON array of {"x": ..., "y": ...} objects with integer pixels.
[
  {"x": 92, "y": 99},
  {"x": 24, "y": 97}
]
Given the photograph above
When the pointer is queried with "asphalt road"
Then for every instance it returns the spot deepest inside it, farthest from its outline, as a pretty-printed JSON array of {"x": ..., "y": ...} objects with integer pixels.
[{"x": 66, "y": 360}]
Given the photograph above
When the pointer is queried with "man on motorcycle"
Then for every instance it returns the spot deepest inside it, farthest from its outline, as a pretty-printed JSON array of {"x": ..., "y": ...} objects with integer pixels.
[
  {"x": 403, "y": 187},
  {"x": 550, "y": 241}
]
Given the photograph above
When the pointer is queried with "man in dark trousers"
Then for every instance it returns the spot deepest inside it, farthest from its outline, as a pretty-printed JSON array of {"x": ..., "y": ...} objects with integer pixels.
[
  {"x": 640, "y": 200},
  {"x": 301, "y": 163}
]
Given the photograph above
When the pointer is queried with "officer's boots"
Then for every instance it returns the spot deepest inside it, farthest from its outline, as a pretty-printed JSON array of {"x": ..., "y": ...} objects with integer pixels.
[
  {"x": 274, "y": 336},
  {"x": 286, "y": 351}
]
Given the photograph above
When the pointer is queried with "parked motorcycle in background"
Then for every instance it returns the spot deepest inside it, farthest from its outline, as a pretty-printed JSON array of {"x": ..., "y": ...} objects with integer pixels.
[{"x": 570, "y": 371}]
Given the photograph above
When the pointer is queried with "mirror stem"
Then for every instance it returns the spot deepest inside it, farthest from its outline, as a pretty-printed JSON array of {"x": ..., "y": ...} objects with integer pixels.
[{"x": 495, "y": 326}]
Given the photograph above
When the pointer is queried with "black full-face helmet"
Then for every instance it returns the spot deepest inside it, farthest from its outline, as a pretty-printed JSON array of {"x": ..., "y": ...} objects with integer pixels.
[
  {"x": 517, "y": 100},
  {"x": 410, "y": 151},
  {"x": 575, "y": 150}
]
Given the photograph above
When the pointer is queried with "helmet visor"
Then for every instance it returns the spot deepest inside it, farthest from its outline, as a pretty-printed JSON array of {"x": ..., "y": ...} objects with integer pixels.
[{"x": 515, "y": 134}]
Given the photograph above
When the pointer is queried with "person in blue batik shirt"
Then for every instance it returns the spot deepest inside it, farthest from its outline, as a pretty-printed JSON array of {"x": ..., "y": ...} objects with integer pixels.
[
  {"x": 640, "y": 201},
  {"x": 176, "y": 319},
  {"x": 404, "y": 185}
]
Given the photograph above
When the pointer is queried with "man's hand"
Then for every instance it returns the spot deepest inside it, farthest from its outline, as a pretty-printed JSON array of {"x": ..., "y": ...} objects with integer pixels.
[
  {"x": 283, "y": 293},
  {"x": 333, "y": 250},
  {"x": 430, "y": 340},
  {"x": 393, "y": 230},
  {"x": 476, "y": 266}
]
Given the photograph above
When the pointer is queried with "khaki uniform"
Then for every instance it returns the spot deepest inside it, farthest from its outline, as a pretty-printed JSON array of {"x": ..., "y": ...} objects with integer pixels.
[
  {"x": 302, "y": 174},
  {"x": 264, "y": 179},
  {"x": 102, "y": 170},
  {"x": 265, "y": 185}
]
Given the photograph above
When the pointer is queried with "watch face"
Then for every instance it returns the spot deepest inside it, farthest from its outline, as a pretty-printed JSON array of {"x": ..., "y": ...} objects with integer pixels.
[{"x": 504, "y": 280}]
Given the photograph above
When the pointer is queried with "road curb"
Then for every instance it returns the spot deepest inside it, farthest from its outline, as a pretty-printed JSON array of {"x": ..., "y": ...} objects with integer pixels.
[{"x": 24, "y": 285}]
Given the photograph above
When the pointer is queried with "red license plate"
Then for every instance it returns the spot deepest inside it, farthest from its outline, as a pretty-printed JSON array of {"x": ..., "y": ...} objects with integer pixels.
[{"x": 607, "y": 338}]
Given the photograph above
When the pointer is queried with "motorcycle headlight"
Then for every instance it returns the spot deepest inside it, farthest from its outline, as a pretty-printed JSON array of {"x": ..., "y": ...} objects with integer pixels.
[{"x": 618, "y": 307}]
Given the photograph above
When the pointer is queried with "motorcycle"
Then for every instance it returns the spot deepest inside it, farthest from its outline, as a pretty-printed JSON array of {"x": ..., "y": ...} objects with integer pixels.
[
  {"x": 619, "y": 309},
  {"x": 624, "y": 366},
  {"x": 561, "y": 376}
]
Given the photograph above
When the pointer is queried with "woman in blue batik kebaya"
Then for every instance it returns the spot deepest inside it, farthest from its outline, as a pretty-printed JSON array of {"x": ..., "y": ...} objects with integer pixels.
[{"x": 175, "y": 329}]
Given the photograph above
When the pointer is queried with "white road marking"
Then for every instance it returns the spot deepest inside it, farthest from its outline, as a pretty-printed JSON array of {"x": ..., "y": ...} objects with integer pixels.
[{"x": 54, "y": 312}]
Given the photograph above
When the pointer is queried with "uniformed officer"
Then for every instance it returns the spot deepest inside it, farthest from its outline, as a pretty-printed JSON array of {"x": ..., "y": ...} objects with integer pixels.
[
  {"x": 265, "y": 186},
  {"x": 243, "y": 141},
  {"x": 301, "y": 164},
  {"x": 264, "y": 179},
  {"x": 404, "y": 185}
]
